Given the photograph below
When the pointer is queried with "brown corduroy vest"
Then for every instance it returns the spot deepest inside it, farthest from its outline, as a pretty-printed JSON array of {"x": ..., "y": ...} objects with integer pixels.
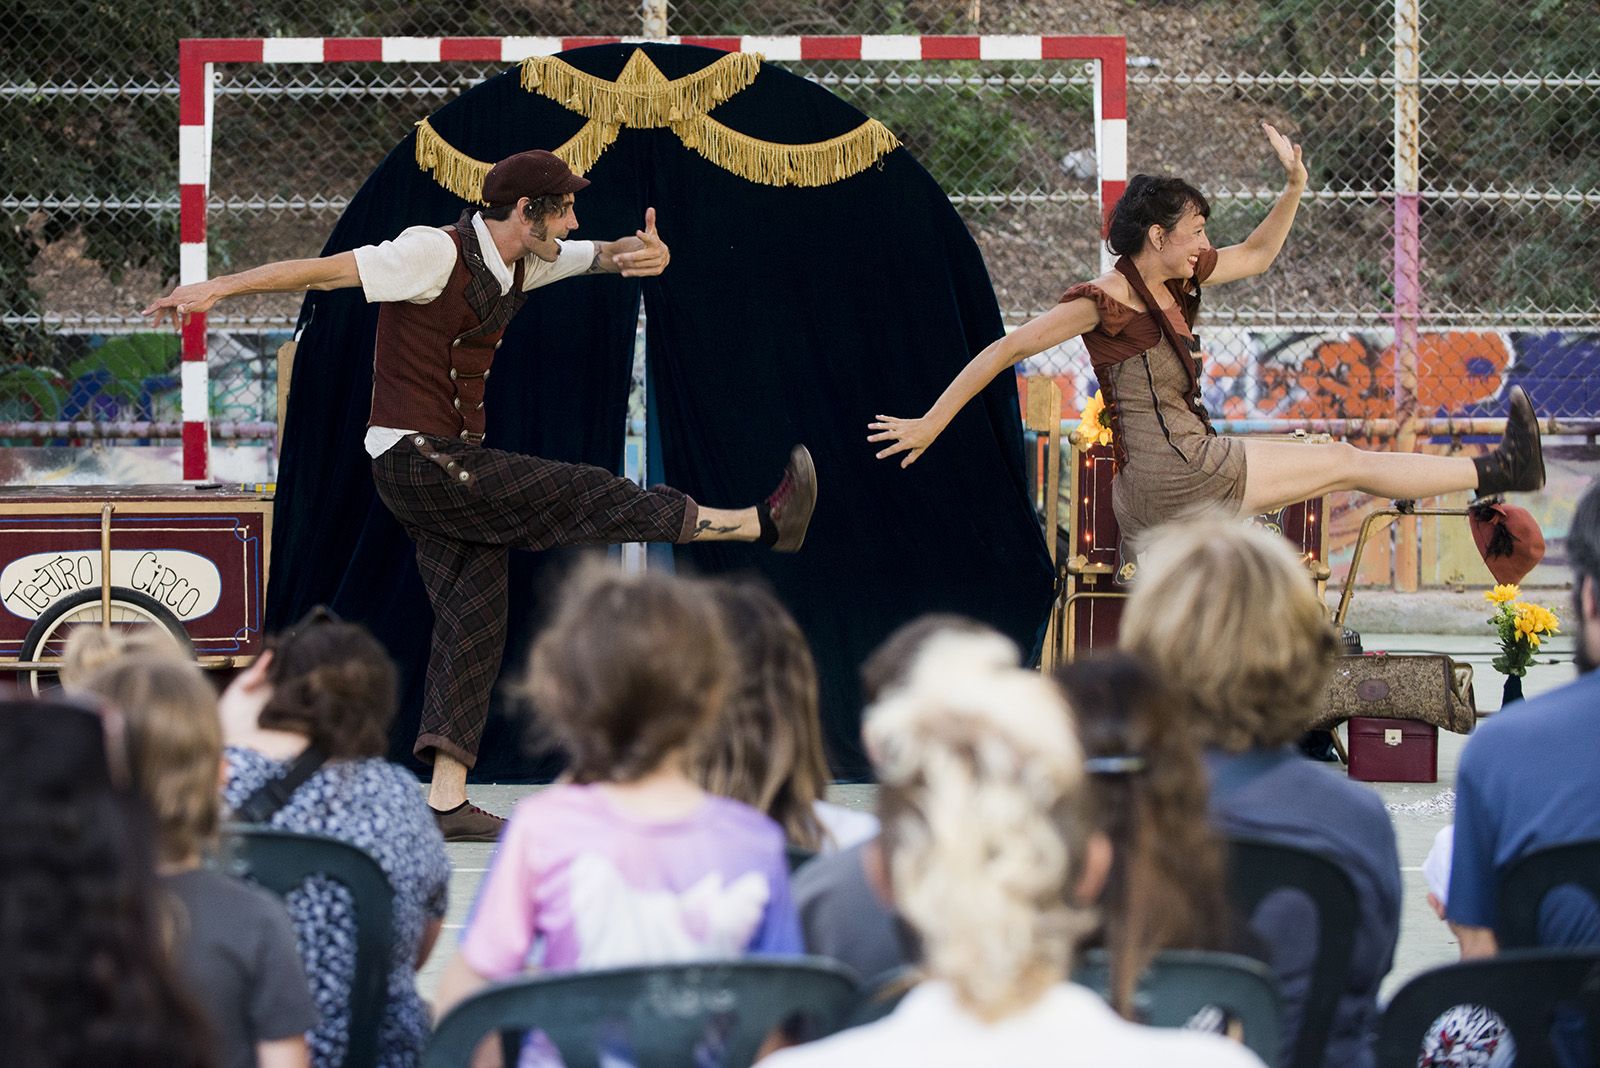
[{"x": 430, "y": 361}]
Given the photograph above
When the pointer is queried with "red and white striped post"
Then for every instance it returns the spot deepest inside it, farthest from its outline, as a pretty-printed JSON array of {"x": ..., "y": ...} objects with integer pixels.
[{"x": 196, "y": 57}]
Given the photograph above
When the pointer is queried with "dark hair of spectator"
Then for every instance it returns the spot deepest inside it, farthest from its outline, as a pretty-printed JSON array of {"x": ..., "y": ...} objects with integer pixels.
[
  {"x": 630, "y": 668},
  {"x": 765, "y": 748},
  {"x": 1151, "y": 201},
  {"x": 86, "y": 975},
  {"x": 889, "y": 665},
  {"x": 1167, "y": 884},
  {"x": 334, "y": 683}
]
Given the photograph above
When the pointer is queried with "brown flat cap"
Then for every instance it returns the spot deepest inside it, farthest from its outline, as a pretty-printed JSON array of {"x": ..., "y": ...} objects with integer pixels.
[{"x": 535, "y": 173}]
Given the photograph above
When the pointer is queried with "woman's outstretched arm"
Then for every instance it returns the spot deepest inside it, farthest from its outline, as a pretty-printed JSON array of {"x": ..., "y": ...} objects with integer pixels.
[
  {"x": 1256, "y": 253},
  {"x": 913, "y": 436}
]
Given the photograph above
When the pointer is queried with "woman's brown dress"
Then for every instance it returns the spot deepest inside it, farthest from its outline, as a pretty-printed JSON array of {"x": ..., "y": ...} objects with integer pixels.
[{"x": 1171, "y": 463}]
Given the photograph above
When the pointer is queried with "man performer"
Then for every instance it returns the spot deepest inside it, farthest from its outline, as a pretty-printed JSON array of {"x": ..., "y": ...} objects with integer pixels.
[{"x": 447, "y": 295}]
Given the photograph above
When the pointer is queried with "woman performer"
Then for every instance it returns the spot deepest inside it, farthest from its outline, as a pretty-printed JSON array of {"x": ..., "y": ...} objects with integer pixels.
[{"x": 1137, "y": 322}]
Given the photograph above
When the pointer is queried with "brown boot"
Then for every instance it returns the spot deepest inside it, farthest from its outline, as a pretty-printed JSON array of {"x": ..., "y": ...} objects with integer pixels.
[
  {"x": 468, "y": 823},
  {"x": 1517, "y": 464},
  {"x": 791, "y": 504}
]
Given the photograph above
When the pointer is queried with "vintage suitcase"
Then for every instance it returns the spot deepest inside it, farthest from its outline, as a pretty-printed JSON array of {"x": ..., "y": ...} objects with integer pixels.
[
  {"x": 1393, "y": 750},
  {"x": 1430, "y": 687}
]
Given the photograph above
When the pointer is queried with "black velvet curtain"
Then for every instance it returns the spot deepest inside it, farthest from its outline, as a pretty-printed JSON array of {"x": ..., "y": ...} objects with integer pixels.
[{"x": 786, "y": 315}]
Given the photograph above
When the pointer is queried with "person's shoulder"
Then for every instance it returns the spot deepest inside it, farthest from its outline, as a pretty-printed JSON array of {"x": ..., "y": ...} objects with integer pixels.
[
  {"x": 239, "y": 902},
  {"x": 1115, "y": 285},
  {"x": 725, "y": 811},
  {"x": 1547, "y": 713},
  {"x": 870, "y": 1046},
  {"x": 828, "y": 870},
  {"x": 1111, "y": 286},
  {"x": 1109, "y": 1038},
  {"x": 736, "y": 821},
  {"x": 440, "y": 236}
]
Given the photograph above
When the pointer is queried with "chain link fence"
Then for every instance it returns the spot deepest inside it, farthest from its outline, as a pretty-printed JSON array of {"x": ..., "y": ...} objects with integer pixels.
[{"x": 1507, "y": 138}]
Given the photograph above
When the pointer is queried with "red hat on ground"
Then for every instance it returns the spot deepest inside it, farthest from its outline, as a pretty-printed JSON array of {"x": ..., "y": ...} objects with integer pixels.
[
  {"x": 535, "y": 173},
  {"x": 1508, "y": 539}
]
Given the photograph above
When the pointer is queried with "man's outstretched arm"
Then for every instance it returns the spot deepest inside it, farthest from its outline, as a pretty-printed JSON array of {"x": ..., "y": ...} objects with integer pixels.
[{"x": 285, "y": 276}]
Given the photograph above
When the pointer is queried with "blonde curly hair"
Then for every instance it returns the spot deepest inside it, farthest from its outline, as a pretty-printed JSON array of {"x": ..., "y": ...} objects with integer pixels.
[{"x": 983, "y": 804}]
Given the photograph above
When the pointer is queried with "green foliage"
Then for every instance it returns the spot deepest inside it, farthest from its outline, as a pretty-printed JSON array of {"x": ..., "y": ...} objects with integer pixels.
[{"x": 970, "y": 140}]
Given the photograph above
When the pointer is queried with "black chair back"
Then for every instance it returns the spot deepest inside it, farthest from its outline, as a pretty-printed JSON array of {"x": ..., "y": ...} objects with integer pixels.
[
  {"x": 655, "y": 1016},
  {"x": 280, "y": 861},
  {"x": 1529, "y": 879},
  {"x": 1179, "y": 983},
  {"x": 1522, "y": 986},
  {"x": 1258, "y": 868}
]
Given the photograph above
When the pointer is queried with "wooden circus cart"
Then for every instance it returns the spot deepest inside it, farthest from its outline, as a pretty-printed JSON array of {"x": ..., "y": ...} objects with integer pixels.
[{"x": 189, "y": 558}]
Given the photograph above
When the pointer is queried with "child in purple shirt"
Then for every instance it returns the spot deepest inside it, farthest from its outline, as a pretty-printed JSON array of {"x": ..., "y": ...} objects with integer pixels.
[{"x": 630, "y": 862}]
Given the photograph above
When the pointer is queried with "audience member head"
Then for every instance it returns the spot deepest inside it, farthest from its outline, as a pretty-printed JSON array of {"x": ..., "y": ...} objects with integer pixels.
[
  {"x": 1166, "y": 887},
  {"x": 1583, "y": 550},
  {"x": 890, "y": 665},
  {"x": 332, "y": 682},
  {"x": 985, "y": 826},
  {"x": 91, "y": 648},
  {"x": 175, "y": 741},
  {"x": 86, "y": 976},
  {"x": 1225, "y": 614},
  {"x": 765, "y": 748},
  {"x": 629, "y": 672}
]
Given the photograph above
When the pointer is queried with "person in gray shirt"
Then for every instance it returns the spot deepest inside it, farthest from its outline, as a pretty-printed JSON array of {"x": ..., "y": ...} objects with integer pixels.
[{"x": 233, "y": 942}]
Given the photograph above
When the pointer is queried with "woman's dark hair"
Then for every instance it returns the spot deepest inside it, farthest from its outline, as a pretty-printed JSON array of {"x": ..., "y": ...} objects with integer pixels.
[
  {"x": 765, "y": 748},
  {"x": 334, "y": 683},
  {"x": 630, "y": 668},
  {"x": 85, "y": 978},
  {"x": 1151, "y": 201},
  {"x": 1166, "y": 888}
]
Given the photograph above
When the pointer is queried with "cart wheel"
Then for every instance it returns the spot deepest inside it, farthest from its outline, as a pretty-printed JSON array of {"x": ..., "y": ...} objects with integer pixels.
[{"x": 130, "y": 610}]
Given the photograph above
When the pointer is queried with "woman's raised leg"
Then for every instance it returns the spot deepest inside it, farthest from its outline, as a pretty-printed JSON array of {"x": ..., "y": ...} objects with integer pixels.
[{"x": 1280, "y": 472}]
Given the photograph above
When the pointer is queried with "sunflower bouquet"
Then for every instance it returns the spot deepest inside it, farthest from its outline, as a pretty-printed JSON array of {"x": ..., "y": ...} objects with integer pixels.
[
  {"x": 1094, "y": 425},
  {"x": 1522, "y": 626}
]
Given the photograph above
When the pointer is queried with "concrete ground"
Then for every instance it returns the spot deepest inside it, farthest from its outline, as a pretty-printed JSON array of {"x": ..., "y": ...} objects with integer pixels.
[{"x": 1418, "y": 809}]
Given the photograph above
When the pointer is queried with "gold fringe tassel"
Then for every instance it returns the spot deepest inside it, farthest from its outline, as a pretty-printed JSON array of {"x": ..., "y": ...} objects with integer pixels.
[
  {"x": 450, "y": 167},
  {"x": 770, "y": 163},
  {"x": 641, "y": 97},
  {"x": 583, "y": 148}
]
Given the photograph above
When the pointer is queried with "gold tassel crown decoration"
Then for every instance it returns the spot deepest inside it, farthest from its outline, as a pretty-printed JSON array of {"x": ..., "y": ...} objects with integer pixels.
[{"x": 644, "y": 98}]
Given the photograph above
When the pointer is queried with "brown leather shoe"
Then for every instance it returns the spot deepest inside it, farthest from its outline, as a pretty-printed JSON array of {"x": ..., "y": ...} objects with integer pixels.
[
  {"x": 468, "y": 823},
  {"x": 1517, "y": 464},
  {"x": 792, "y": 503}
]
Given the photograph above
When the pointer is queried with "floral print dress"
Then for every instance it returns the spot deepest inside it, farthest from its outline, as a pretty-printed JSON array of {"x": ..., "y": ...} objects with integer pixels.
[{"x": 378, "y": 807}]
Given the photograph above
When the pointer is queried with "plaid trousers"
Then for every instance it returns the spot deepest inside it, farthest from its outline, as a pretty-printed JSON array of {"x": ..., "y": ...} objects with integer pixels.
[{"x": 463, "y": 528}]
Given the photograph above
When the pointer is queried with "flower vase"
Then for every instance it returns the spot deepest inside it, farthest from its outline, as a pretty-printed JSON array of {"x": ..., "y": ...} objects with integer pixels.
[{"x": 1512, "y": 691}]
